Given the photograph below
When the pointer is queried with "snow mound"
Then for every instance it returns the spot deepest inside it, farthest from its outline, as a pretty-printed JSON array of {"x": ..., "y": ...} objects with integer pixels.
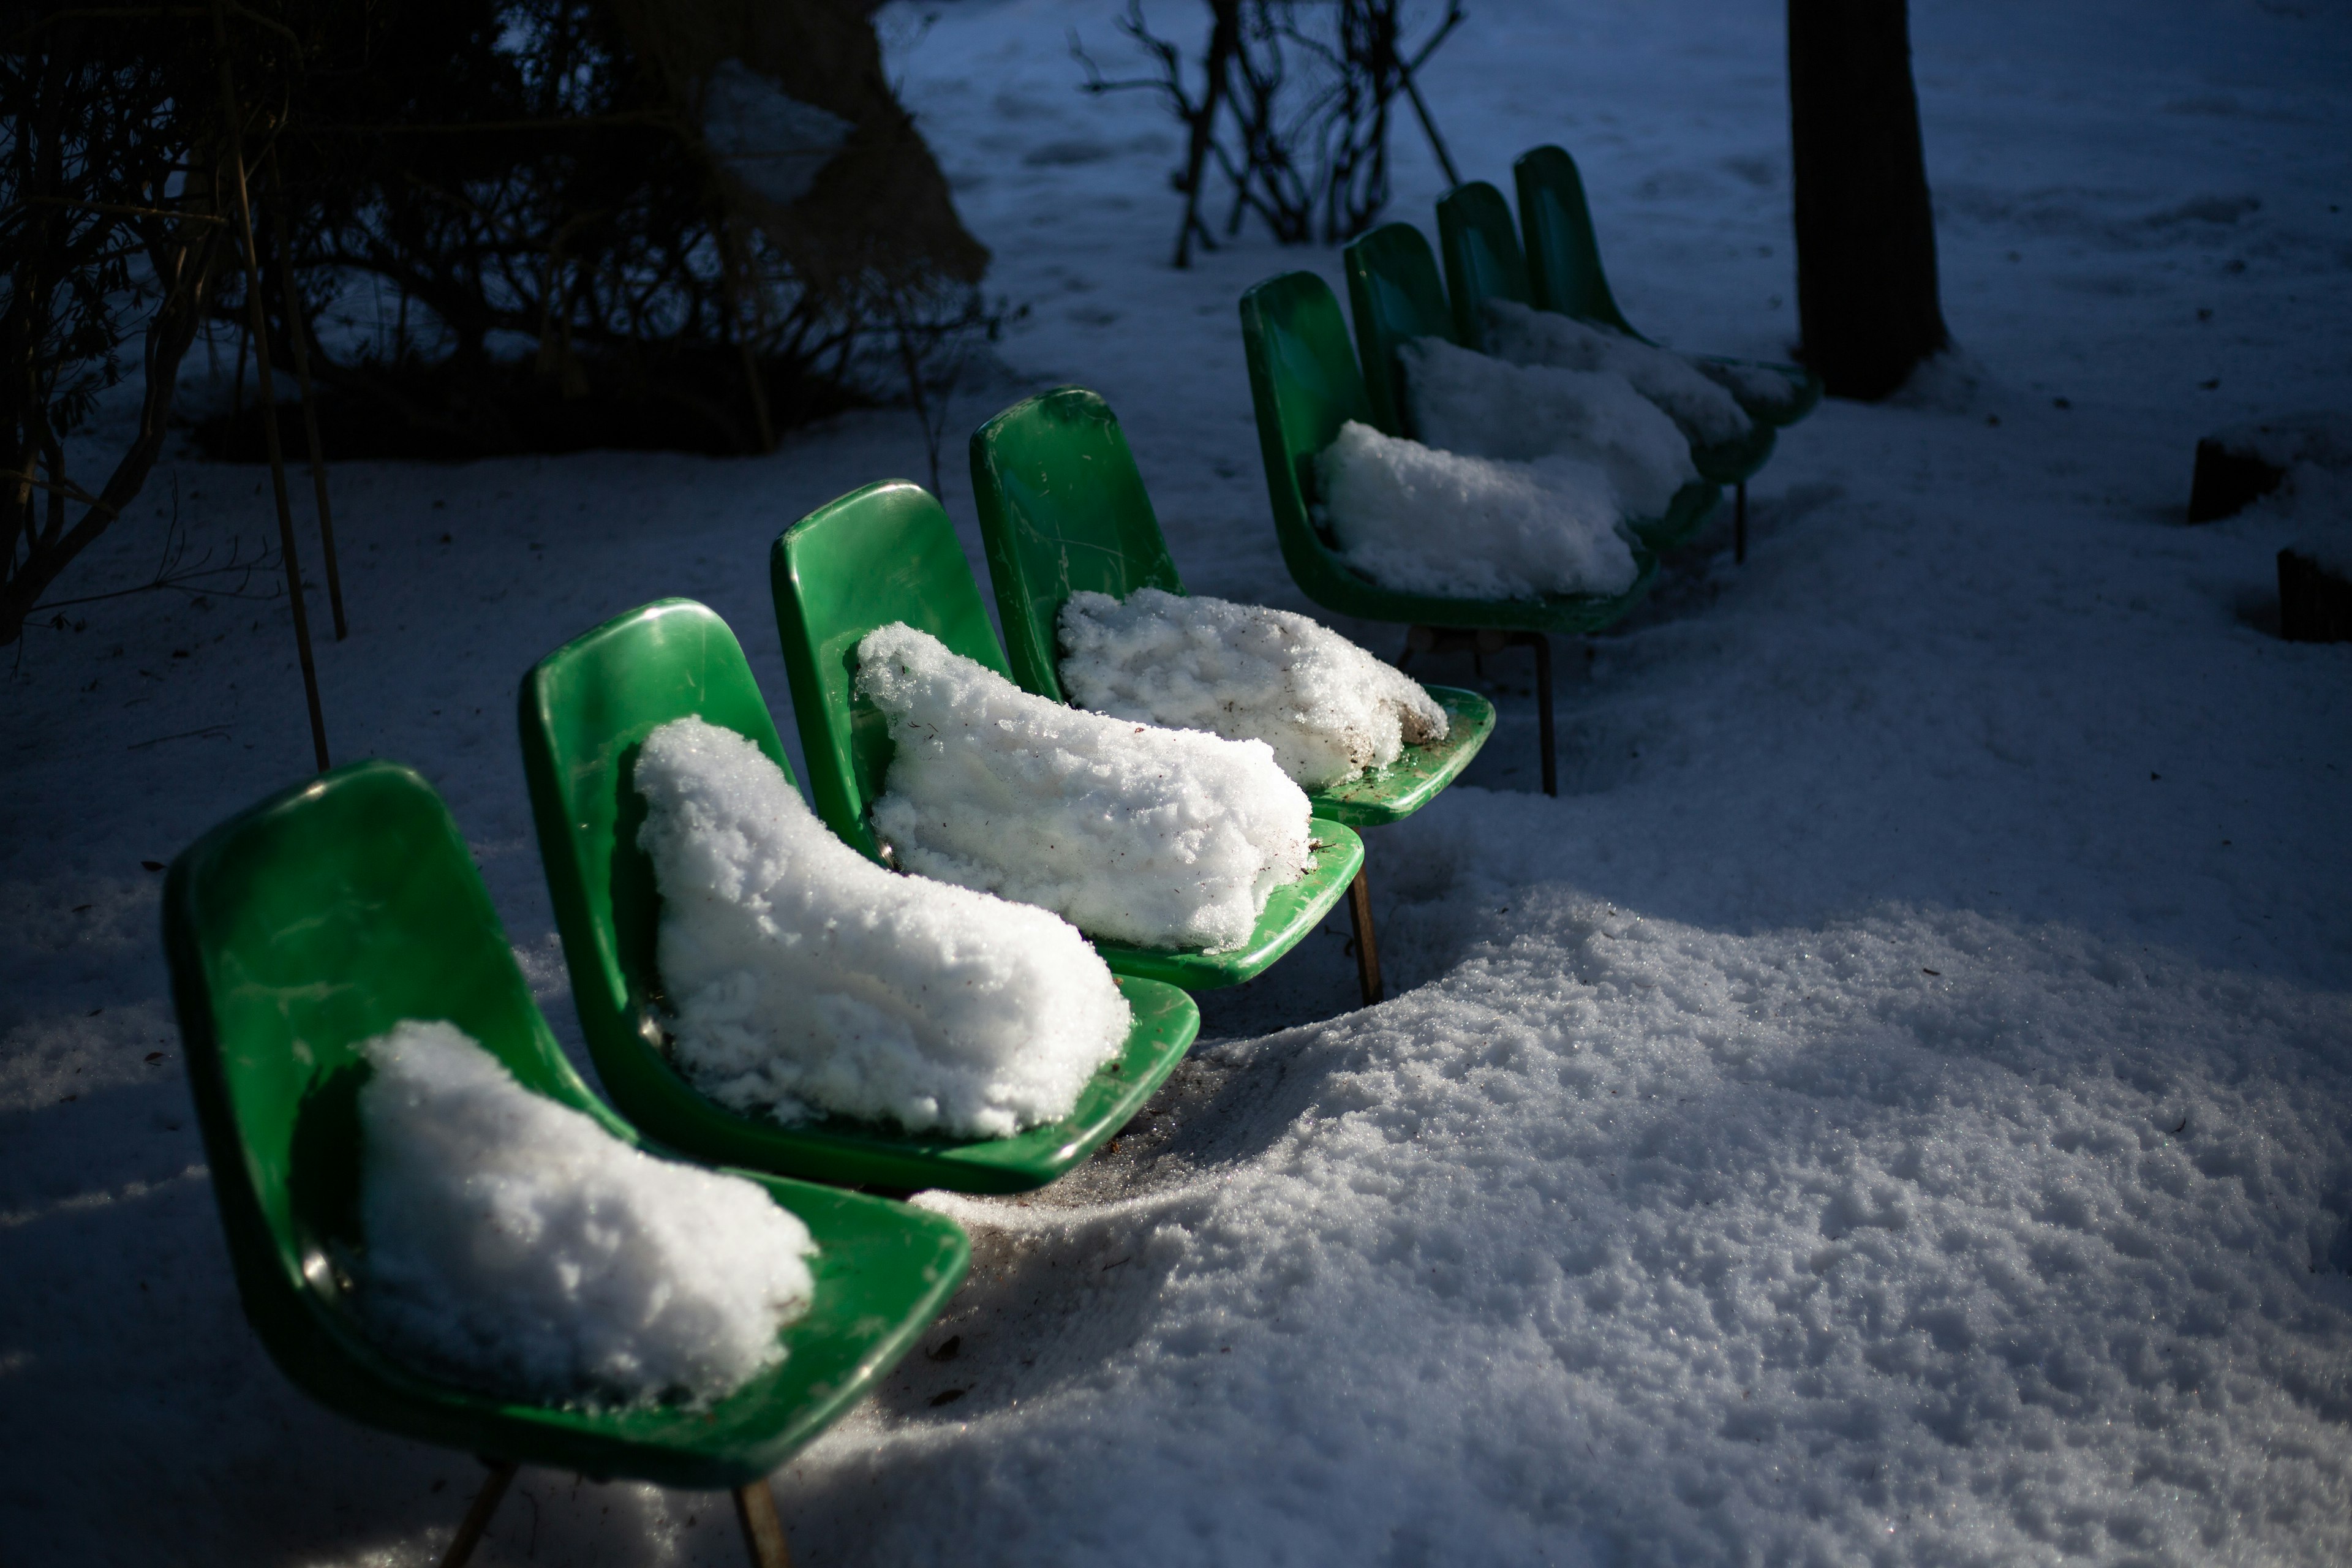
[
  {"x": 1706, "y": 412},
  {"x": 513, "y": 1244},
  {"x": 1486, "y": 407},
  {"x": 1328, "y": 709},
  {"x": 1413, "y": 517},
  {"x": 1761, "y": 392},
  {"x": 1167, "y": 838},
  {"x": 806, "y": 978}
]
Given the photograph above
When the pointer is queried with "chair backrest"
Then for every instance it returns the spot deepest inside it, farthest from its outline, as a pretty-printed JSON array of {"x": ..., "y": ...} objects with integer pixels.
[
  {"x": 1395, "y": 294},
  {"x": 878, "y": 556},
  {"x": 584, "y": 712},
  {"x": 1304, "y": 386},
  {"x": 1563, "y": 254},
  {"x": 295, "y": 930},
  {"x": 1482, "y": 256},
  {"x": 1062, "y": 509}
]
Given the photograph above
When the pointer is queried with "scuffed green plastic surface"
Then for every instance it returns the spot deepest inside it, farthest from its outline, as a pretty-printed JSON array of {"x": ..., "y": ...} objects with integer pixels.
[
  {"x": 586, "y": 710},
  {"x": 321, "y": 919},
  {"x": 888, "y": 553},
  {"x": 1563, "y": 257},
  {"x": 1062, "y": 508},
  {"x": 1305, "y": 387},
  {"x": 1394, "y": 792}
]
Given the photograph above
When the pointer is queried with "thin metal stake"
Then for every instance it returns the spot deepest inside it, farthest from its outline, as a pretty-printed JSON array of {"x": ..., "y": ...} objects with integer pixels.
[
  {"x": 478, "y": 1518},
  {"x": 1368, "y": 941},
  {"x": 260, "y": 329},
  {"x": 298, "y": 329},
  {"x": 763, "y": 1532}
]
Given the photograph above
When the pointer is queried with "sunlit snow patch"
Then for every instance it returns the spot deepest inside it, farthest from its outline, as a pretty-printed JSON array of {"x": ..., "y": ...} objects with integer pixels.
[
  {"x": 513, "y": 1244},
  {"x": 1328, "y": 709},
  {"x": 807, "y": 978},
  {"x": 1168, "y": 838},
  {"x": 1420, "y": 519},
  {"x": 1484, "y": 407}
]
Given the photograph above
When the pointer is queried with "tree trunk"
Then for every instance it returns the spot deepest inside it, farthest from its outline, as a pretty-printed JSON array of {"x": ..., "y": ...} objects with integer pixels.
[{"x": 1866, "y": 297}]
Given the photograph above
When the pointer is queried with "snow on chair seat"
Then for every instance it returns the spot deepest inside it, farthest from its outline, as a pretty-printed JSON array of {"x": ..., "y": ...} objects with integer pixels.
[
  {"x": 886, "y": 554},
  {"x": 586, "y": 712},
  {"x": 319, "y": 920}
]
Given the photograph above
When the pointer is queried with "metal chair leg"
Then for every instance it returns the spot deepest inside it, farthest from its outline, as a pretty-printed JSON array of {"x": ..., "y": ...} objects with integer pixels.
[
  {"x": 478, "y": 1518},
  {"x": 763, "y": 1532},
  {"x": 1739, "y": 521},
  {"x": 1542, "y": 645},
  {"x": 1368, "y": 941}
]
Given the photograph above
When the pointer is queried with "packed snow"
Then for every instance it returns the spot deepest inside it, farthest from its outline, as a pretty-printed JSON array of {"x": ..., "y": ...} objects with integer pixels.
[
  {"x": 1171, "y": 838},
  {"x": 1706, "y": 413},
  {"x": 1328, "y": 709},
  {"x": 513, "y": 1244},
  {"x": 1480, "y": 406},
  {"x": 1423, "y": 520},
  {"x": 806, "y": 978},
  {"x": 1670, "y": 1211}
]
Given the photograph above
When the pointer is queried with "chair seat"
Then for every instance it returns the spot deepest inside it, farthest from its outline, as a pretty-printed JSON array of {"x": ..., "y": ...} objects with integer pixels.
[
  {"x": 877, "y": 1154},
  {"x": 1394, "y": 792},
  {"x": 1291, "y": 912}
]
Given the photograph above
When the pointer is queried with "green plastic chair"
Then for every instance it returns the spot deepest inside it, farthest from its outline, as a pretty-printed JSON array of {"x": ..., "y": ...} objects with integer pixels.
[
  {"x": 888, "y": 553},
  {"x": 1482, "y": 262},
  {"x": 586, "y": 710},
  {"x": 1563, "y": 257},
  {"x": 1062, "y": 508},
  {"x": 318, "y": 919},
  {"x": 1395, "y": 295},
  {"x": 1304, "y": 386}
]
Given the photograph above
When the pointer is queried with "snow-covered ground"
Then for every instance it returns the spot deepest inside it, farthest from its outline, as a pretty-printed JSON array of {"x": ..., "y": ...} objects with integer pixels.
[{"x": 1895, "y": 1106}]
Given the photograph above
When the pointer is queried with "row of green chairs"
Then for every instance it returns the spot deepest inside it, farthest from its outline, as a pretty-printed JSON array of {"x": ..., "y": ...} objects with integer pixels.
[
  {"x": 1307, "y": 382},
  {"x": 323, "y": 917}
]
